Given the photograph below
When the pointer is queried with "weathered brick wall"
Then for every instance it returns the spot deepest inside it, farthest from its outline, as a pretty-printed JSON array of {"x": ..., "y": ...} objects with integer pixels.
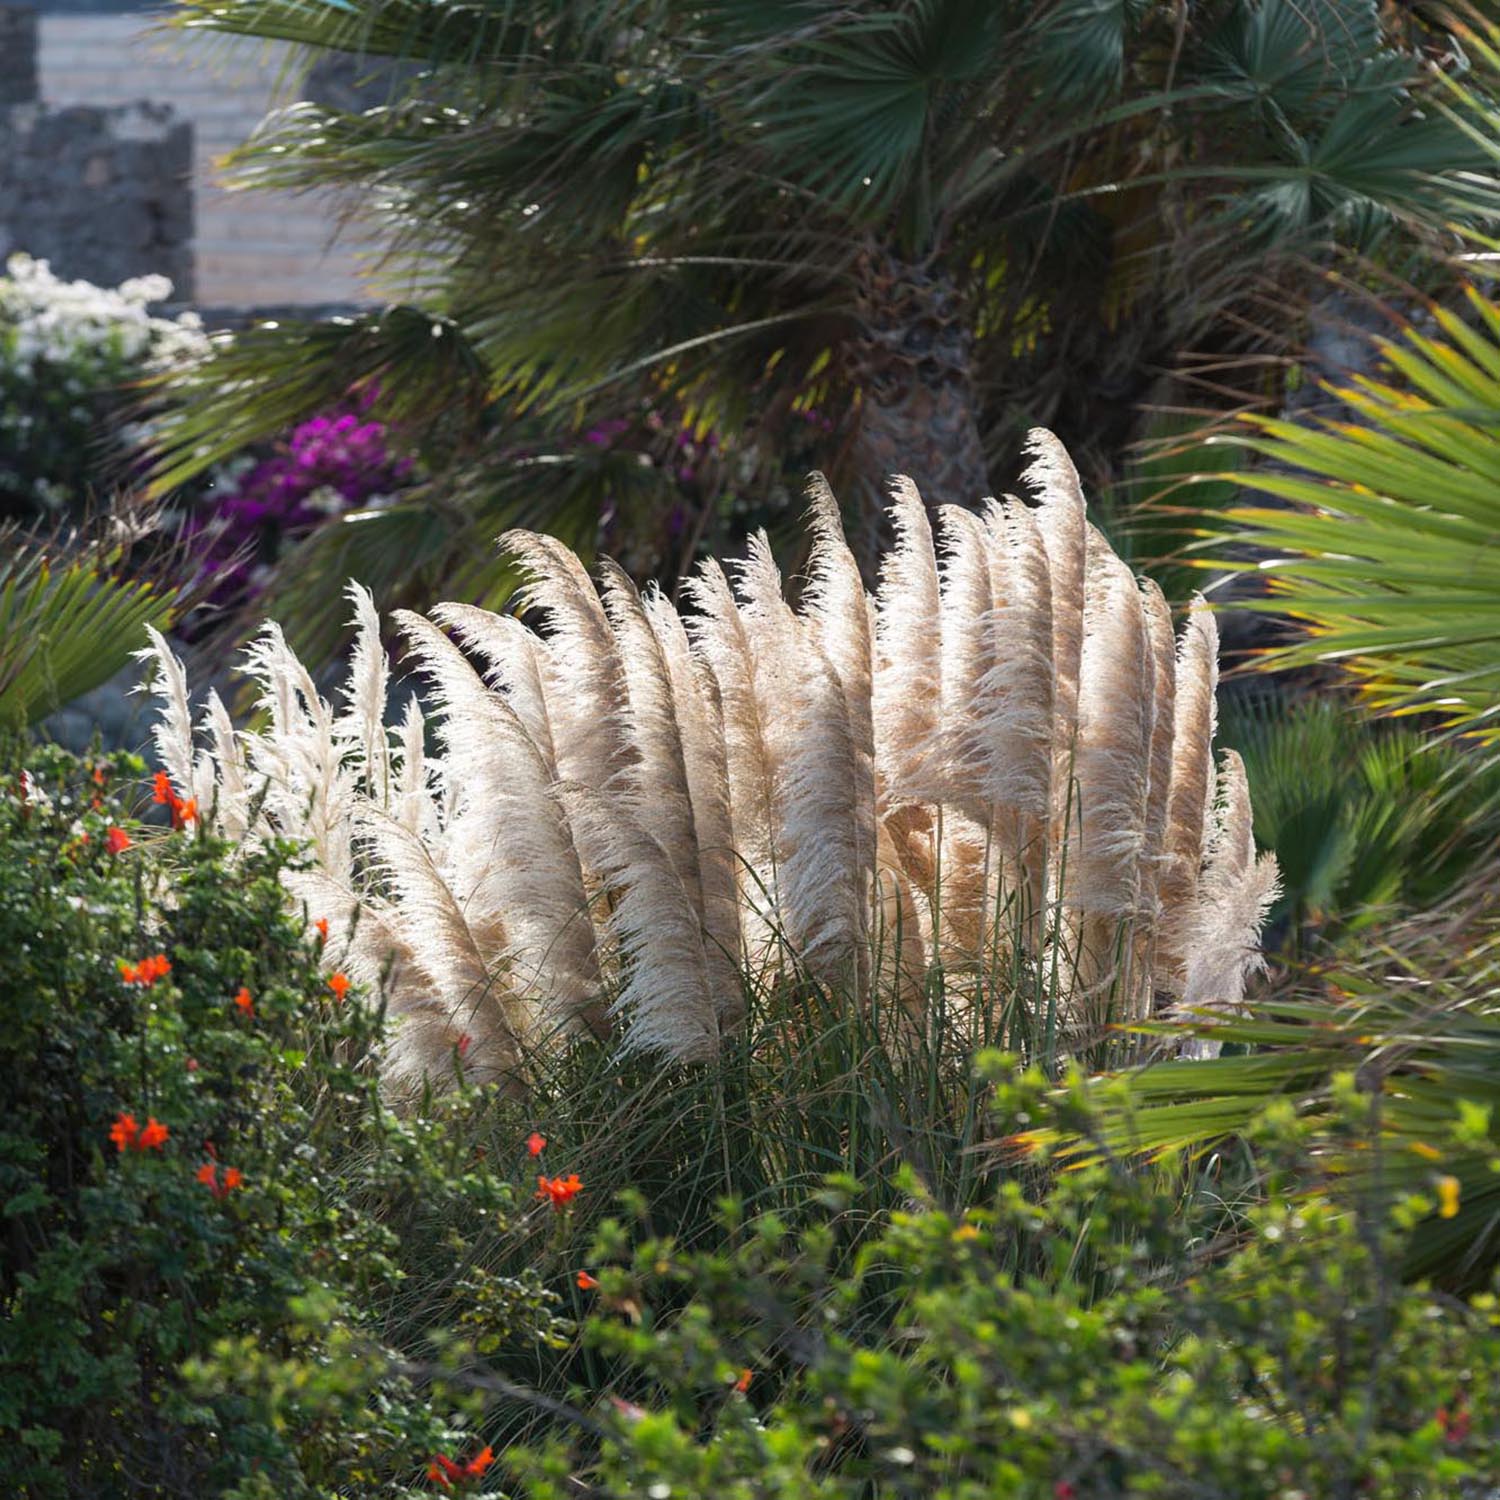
[{"x": 102, "y": 193}]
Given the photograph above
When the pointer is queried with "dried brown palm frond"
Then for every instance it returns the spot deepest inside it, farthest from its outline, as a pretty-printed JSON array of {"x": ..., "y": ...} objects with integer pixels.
[{"x": 1001, "y": 765}]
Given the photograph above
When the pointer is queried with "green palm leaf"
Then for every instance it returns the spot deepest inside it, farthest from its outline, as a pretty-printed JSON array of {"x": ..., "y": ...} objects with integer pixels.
[
  {"x": 1412, "y": 1030},
  {"x": 1387, "y": 552},
  {"x": 68, "y": 622}
]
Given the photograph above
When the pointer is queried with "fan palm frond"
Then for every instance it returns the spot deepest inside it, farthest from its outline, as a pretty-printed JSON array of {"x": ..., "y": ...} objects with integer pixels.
[
  {"x": 69, "y": 620},
  {"x": 1384, "y": 545}
]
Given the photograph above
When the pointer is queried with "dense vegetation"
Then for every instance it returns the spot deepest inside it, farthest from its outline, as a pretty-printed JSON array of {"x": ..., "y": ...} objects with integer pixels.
[
  {"x": 660, "y": 259},
  {"x": 232, "y": 1267},
  {"x": 945, "y": 1233}
]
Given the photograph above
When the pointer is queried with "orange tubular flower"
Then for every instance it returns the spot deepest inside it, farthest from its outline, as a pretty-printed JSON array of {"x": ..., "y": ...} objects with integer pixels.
[
  {"x": 559, "y": 1191},
  {"x": 339, "y": 984},
  {"x": 184, "y": 811},
  {"x": 322, "y": 925},
  {"x": 124, "y": 1131},
  {"x": 743, "y": 1383},
  {"x": 442, "y": 1470},
  {"x": 147, "y": 972},
  {"x": 245, "y": 1003},
  {"x": 586, "y": 1283},
  {"x": 208, "y": 1175},
  {"x": 480, "y": 1462},
  {"x": 117, "y": 841},
  {"x": 153, "y": 1137},
  {"x": 536, "y": 1144}
]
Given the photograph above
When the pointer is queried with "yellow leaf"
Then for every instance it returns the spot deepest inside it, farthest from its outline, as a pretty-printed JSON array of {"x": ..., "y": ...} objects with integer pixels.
[{"x": 1448, "y": 1192}]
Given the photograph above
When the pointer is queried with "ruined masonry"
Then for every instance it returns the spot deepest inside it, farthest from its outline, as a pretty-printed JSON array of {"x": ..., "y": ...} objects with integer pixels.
[
  {"x": 101, "y": 193},
  {"x": 111, "y": 134}
]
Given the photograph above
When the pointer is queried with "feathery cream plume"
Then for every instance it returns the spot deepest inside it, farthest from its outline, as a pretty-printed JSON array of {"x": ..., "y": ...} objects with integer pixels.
[
  {"x": 309, "y": 791},
  {"x": 231, "y": 797},
  {"x": 657, "y": 779},
  {"x": 1236, "y": 892},
  {"x": 514, "y": 864},
  {"x": 1062, "y": 519},
  {"x": 700, "y": 723},
  {"x": 582, "y": 669},
  {"x": 1111, "y": 767},
  {"x": 172, "y": 734},
  {"x": 721, "y": 641},
  {"x": 1017, "y": 703},
  {"x": 822, "y": 905},
  {"x": 968, "y": 658},
  {"x": 430, "y": 924},
  {"x": 1111, "y": 764},
  {"x": 908, "y": 674},
  {"x": 837, "y": 611},
  {"x": 515, "y": 658},
  {"x": 1190, "y": 792},
  {"x": 967, "y": 852},
  {"x": 1163, "y": 652},
  {"x": 360, "y": 730},
  {"x": 414, "y": 807},
  {"x": 666, "y": 998}
]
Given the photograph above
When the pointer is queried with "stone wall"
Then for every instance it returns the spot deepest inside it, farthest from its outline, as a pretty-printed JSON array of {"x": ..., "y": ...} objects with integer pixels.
[
  {"x": 17, "y": 56},
  {"x": 69, "y": 168},
  {"x": 103, "y": 194},
  {"x": 252, "y": 249}
]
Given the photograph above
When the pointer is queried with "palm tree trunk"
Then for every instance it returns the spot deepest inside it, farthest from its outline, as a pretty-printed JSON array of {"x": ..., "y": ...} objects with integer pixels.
[{"x": 912, "y": 363}]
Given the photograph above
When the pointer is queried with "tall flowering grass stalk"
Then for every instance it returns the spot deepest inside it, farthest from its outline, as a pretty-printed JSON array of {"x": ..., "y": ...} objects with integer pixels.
[{"x": 996, "y": 775}]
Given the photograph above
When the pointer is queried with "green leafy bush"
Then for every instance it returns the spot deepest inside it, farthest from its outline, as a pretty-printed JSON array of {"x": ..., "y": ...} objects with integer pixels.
[
  {"x": 1107, "y": 1333},
  {"x": 194, "y": 1159},
  {"x": 228, "y": 1268}
]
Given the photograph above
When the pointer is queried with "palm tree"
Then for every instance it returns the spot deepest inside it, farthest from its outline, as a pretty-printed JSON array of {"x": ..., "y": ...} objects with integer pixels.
[{"x": 934, "y": 223}]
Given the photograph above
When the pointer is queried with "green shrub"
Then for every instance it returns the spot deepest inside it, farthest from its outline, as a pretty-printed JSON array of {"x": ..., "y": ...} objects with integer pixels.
[
  {"x": 126, "y": 1258},
  {"x": 369, "y": 1297},
  {"x": 1104, "y": 1336}
]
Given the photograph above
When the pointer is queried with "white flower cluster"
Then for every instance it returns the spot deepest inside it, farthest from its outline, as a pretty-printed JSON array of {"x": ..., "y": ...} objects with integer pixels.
[
  {"x": 62, "y": 345},
  {"x": 45, "y": 320}
]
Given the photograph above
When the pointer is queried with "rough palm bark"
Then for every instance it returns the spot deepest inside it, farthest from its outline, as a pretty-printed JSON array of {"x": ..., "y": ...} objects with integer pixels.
[{"x": 912, "y": 363}]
